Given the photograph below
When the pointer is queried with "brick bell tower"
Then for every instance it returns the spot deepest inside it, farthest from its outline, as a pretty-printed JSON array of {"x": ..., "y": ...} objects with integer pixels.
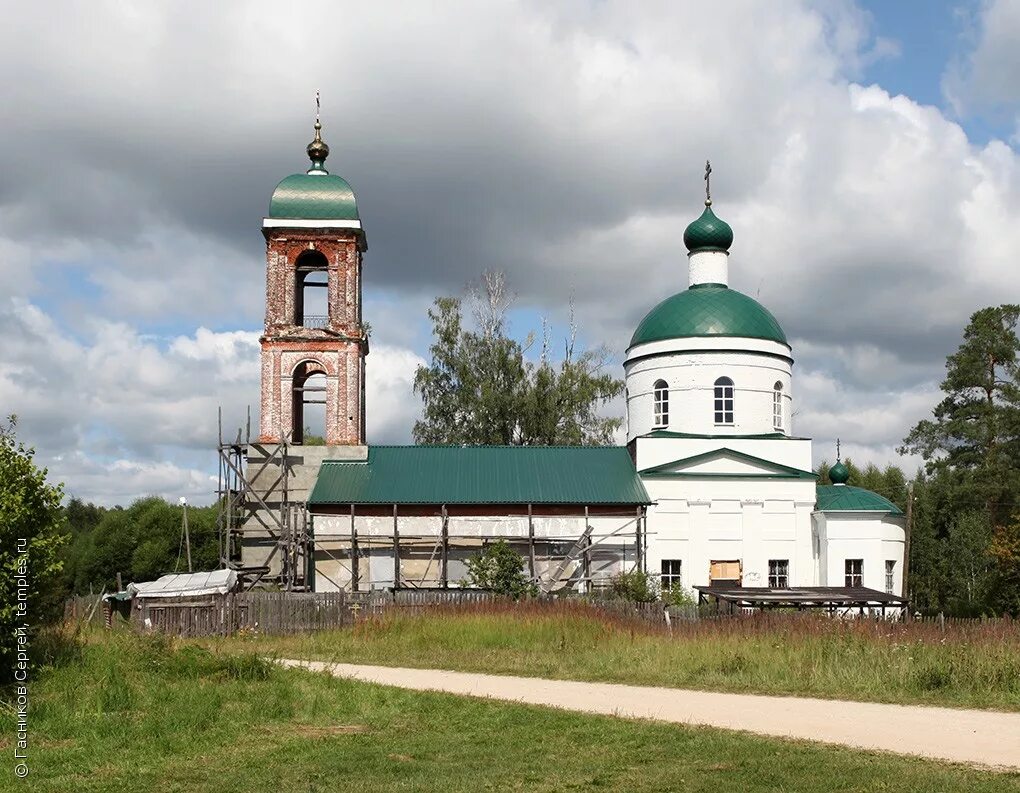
[{"x": 314, "y": 245}]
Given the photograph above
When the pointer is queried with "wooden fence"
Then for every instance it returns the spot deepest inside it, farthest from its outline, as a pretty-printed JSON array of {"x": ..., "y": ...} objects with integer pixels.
[
  {"x": 294, "y": 612},
  {"x": 298, "y": 612}
]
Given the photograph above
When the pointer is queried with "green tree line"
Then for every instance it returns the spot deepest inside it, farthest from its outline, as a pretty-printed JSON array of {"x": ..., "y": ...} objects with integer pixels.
[{"x": 140, "y": 542}]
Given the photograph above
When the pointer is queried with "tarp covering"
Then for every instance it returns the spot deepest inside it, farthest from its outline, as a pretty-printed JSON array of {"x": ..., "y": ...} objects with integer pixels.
[{"x": 217, "y": 582}]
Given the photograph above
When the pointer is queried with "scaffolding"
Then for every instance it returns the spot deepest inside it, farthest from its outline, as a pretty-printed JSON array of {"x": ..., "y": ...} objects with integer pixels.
[
  {"x": 254, "y": 500},
  {"x": 267, "y": 535},
  {"x": 360, "y": 547}
]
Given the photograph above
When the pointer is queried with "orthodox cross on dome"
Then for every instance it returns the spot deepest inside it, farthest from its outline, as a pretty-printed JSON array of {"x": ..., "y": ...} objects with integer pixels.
[
  {"x": 708, "y": 183},
  {"x": 317, "y": 150},
  {"x": 837, "y": 450}
]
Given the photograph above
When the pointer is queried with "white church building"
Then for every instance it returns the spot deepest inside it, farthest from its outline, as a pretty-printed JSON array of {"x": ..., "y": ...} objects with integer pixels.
[
  {"x": 713, "y": 488},
  {"x": 710, "y": 391}
]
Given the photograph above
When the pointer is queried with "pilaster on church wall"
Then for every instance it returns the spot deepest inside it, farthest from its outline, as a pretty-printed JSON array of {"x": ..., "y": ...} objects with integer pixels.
[
  {"x": 270, "y": 408},
  {"x": 350, "y": 284},
  {"x": 335, "y": 281}
]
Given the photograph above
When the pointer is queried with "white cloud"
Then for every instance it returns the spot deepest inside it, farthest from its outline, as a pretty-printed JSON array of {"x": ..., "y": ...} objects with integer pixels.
[
  {"x": 986, "y": 77},
  {"x": 391, "y": 406},
  {"x": 121, "y": 415},
  {"x": 561, "y": 142}
]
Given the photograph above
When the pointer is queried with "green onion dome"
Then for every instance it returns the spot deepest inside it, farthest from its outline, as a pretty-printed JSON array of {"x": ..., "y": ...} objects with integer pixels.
[
  {"x": 708, "y": 310},
  {"x": 708, "y": 233},
  {"x": 839, "y": 474}
]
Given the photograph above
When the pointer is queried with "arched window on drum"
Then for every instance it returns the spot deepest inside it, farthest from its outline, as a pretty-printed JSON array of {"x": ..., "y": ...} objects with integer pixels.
[
  {"x": 660, "y": 396},
  {"x": 777, "y": 406},
  {"x": 724, "y": 401}
]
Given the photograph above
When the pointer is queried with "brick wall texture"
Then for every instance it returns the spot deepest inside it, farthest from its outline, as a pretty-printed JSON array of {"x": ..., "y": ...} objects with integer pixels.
[{"x": 291, "y": 351}]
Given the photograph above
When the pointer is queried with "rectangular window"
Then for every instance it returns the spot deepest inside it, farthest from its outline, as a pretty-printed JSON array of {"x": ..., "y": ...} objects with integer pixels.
[
  {"x": 779, "y": 573},
  {"x": 854, "y": 569},
  {"x": 670, "y": 574},
  {"x": 777, "y": 408},
  {"x": 724, "y": 404},
  {"x": 890, "y": 571}
]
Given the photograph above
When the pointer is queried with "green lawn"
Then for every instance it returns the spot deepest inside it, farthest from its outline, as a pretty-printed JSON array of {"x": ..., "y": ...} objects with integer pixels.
[
  {"x": 964, "y": 667},
  {"x": 139, "y": 714}
]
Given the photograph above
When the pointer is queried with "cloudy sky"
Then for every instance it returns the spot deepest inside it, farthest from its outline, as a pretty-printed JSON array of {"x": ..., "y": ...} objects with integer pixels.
[{"x": 864, "y": 153}]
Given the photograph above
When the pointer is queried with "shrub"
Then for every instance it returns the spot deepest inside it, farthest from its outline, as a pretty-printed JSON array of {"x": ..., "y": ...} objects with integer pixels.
[
  {"x": 679, "y": 597},
  {"x": 635, "y": 587},
  {"x": 500, "y": 569}
]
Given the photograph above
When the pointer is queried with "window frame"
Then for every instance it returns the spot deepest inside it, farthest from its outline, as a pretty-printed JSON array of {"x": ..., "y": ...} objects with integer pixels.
[
  {"x": 779, "y": 574},
  {"x": 890, "y": 576},
  {"x": 849, "y": 574},
  {"x": 777, "y": 406},
  {"x": 660, "y": 404},
  {"x": 723, "y": 391},
  {"x": 670, "y": 574}
]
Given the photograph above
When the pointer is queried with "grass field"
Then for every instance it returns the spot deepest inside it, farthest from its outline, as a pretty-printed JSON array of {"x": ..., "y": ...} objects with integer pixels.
[
  {"x": 967, "y": 666},
  {"x": 128, "y": 713}
]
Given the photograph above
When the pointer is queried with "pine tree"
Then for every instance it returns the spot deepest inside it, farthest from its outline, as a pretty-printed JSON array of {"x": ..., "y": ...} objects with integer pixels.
[
  {"x": 972, "y": 444},
  {"x": 975, "y": 430}
]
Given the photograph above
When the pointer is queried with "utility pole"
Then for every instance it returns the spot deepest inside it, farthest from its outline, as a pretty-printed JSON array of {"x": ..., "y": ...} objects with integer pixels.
[
  {"x": 906, "y": 539},
  {"x": 187, "y": 538}
]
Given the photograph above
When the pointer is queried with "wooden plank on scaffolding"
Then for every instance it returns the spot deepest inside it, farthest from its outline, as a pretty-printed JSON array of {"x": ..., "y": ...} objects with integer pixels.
[
  {"x": 444, "y": 562},
  {"x": 396, "y": 550}
]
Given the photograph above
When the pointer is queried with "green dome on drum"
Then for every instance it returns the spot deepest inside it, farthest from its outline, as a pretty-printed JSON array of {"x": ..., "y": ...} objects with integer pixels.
[
  {"x": 708, "y": 310},
  {"x": 844, "y": 498},
  {"x": 316, "y": 194}
]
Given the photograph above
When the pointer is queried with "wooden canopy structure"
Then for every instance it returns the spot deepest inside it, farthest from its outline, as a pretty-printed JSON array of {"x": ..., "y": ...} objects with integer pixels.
[{"x": 830, "y": 598}]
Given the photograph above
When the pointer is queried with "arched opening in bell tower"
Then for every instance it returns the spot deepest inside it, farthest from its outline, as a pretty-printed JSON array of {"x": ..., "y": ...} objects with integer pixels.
[
  {"x": 311, "y": 290},
  {"x": 308, "y": 403}
]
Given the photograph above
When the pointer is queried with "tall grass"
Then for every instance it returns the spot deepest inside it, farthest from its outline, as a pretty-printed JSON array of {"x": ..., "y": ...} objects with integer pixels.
[
  {"x": 127, "y": 712},
  {"x": 975, "y": 665}
]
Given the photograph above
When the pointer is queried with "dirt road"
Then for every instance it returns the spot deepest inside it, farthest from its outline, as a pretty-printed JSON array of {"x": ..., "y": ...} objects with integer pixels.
[{"x": 974, "y": 737}]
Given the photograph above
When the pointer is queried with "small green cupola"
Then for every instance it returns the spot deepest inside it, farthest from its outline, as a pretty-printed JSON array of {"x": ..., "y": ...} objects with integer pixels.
[
  {"x": 315, "y": 198},
  {"x": 839, "y": 474},
  {"x": 708, "y": 233}
]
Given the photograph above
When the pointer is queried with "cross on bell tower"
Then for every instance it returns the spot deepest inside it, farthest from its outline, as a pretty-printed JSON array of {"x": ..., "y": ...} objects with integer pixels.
[{"x": 314, "y": 344}]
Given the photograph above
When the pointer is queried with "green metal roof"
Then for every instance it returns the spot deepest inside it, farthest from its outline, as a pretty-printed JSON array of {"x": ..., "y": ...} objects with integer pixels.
[
  {"x": 708, "y": 233},
  {"x": 313, "y": 196},
  {"x": 708, "y": 310},
  {"x": 482, "y": 475},
  {"x": 844, "y": 498}
]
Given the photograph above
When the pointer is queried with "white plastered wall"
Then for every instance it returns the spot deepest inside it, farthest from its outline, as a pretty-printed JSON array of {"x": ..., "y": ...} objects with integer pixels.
[
  {"x": 699, "y": 520},
  {"x": 795, "y": 453},
  {"x": 873, "y": 537},
  {"x": 755, "y": 366}
]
